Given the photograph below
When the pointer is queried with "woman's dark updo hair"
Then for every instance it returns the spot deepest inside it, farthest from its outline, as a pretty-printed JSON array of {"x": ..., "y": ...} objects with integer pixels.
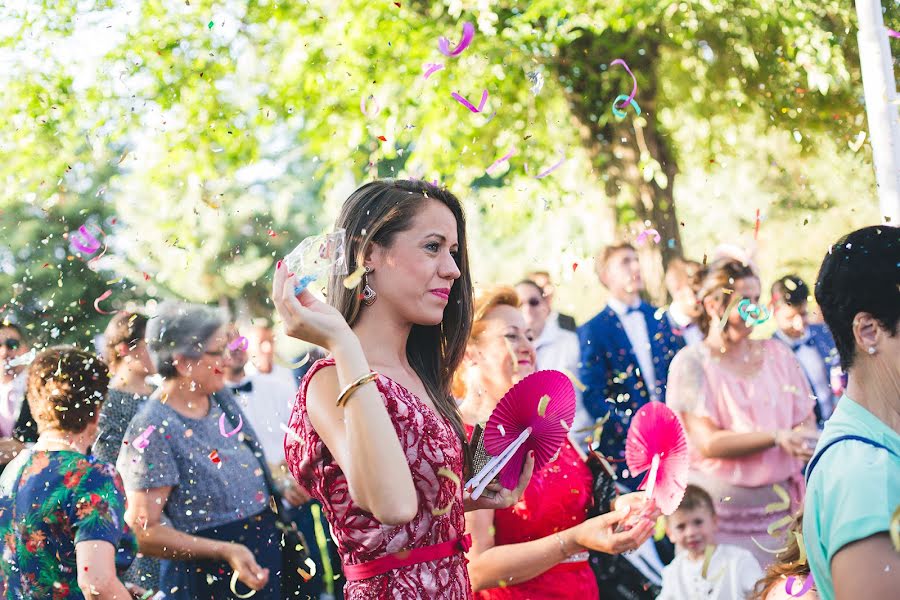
[{"x": 66, "y": 387}]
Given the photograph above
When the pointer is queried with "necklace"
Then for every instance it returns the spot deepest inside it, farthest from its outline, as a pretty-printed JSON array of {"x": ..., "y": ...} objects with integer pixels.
[{"x": 60, "y": 441}]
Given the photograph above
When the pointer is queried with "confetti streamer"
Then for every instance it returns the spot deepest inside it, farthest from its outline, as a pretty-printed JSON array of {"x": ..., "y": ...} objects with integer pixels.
[
  {"x": 469, "y": 105},
  {"x": 895, "y": 528},
  {"x": 764, "y": 549},
  {"x": 467, "y": 36},
  {"x": 500, "y": 160},
  {"x": 214, "y": 457},
  {"x": 432, "y": 68},
  {"x": 352, "y": 280},
  {"x": 642, "y": 236},
  {"x": 892, "y": 33},
  {"x": 234, "y": 431},
  {"x": 363, "y": 103},
  {"x": 784, "y": 504},
  {"x": 856, "y": 145},
  {"x": 576, "y": 382},
  {"x": 444, "y": 472},
  {"x": 630, "y": 97},
  {"x": 234, "y": 580},
  {"x": 100, "y": 299},
  {"x": 756, "y": 228},
  {"x": 551, "y": 169},
  {"x": 542, "y": 405},
  {"x": 752, "y": 313},
  {"x": 707, "y": 558},
  {"x": 143, "y": 438},
  {"x": 776, "y": 525},
  {"x": 621, "y": 114},
  {"x": 90, "y": 245},
  {"x": 724, "y": 320},
  {"x": 241, "y": 343},
  {"x": 293, "y": 365},
  {"x": 801, "y": 546},
  {"x": 290, "y": 433},
  {"x": 807, "y": 585}
]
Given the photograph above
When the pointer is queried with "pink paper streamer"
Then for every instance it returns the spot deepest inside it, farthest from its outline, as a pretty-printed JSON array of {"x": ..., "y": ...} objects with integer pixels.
[
  {"x": 91, "y": 244},
  {"x": 241, "y": 342},
  {"x": 233, "y": 431},
  {"x": 467, "y": 35},
  {"x": 469, "y": 105},
  {"x": 892, "y": 33},
  {"x": 551, "y": 169},
  {"x": 807, "y": 585},
  {"x": 503, "y": 158},
  {"x": 619, "y": 61},
  {"x": 143, "y": 439},
  {"x": 364, "y": 101},
  {"x": 100, "y": 299},
  {"x": 642, "y": 236},
  {"x": 432, "y": 68}
]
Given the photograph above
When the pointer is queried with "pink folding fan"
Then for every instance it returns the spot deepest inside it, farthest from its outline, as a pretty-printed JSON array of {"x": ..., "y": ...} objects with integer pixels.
[
  {"x": 535, "y": 414},
  {"x": 656, "y": 442}
]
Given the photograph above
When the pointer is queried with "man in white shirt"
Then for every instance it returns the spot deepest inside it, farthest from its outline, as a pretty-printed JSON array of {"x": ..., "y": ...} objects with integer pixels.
[
  {"x": 556, "y": 349},
  {"x": 682, "y": 282},
  {"x": 13, "y": 376},
  {"x": 542, "y": 278},
  {"x": 812, "y": 344}
]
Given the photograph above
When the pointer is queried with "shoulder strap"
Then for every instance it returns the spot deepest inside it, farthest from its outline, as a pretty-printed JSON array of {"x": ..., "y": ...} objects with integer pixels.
[{"x": 842, "y": 438}]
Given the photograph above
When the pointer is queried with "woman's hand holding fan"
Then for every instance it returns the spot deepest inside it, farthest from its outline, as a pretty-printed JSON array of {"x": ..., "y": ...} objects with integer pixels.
[
  {"x": 605, "y": 533},
  {"x": 656, "y": 443},
  {"x": 497, "y": 497},
  {"x": 532, "y": 417}
]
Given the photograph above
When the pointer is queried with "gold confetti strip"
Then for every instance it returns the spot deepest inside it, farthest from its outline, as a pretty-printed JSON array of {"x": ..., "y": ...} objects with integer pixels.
[
  {"x": 776, "y": 525},
  {"x": 501, "y": 429},
  {"x": 724, "y": 320},
  {"x": 234, "y": 580},
  {"x": 895, "y": 528},
  {"x": 785, "y": 503},
  {"x": 542, "y": 405},
  {"x": 564, "y": 424},
  {"x": 444, "y": 472},
  {"x": 707, "y": 557},
  {"x": 352, "y": 280},
  {"x": 801, "y": 546},
  {"x": 764, "y": 549},
  {"x": 575, "y": 381}
]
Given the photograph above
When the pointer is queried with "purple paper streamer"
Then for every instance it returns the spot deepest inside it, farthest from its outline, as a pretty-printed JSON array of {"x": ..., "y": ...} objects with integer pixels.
[
  {"x": 619, "y": 61},
  {"x": 468, "y": 34},
  {"x": 432, "y": 68},
  {"x": 892, "y": 33},
  {"x": 469, "y": 105},
  {"x": 551, "y": 169},
  {"x": 233, "y": 431},
  {"x": 500, "y": 160},
  {"x": 91, "y": 245},
  {"x": 642, "y": 236},
  {"x": 807, "y": 585}
]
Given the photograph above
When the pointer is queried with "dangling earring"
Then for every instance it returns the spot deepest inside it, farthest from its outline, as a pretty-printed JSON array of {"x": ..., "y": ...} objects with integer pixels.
[{"x": 369, "y": 295}]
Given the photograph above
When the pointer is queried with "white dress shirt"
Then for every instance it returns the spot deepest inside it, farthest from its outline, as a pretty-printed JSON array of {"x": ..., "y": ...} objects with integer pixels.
[
  {"x": 690, "y": 331},
  {"x": 12, "y": 394},
  {"x": 731, "y": 575},
  {"x": 267, "y": 406},
  {"x": 636, "y": 329},
  {"x": 814, "y": 367},
  {"x": 559, "y": 349}
]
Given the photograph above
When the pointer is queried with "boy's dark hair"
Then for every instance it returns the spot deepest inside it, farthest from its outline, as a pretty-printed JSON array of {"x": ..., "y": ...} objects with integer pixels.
[
  {"x": 860, "y": 273},
  {"x": 696, "y": 497},
  {"x": 790, "y": 290},
  {"x": 66, "y": 387}
]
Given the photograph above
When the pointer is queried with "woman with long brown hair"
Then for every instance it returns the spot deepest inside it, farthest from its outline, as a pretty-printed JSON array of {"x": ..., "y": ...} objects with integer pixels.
[
  {"x": 747, "y": 410},
  {"x": 790, "y": 562},
  {"x": 375, "y": 433}
]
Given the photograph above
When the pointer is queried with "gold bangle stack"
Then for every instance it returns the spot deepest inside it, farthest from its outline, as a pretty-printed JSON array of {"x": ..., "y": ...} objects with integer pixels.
[{"x": 352, "y": 387}]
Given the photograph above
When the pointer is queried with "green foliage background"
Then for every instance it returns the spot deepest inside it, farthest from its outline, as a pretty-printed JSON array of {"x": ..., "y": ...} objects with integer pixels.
[{"x": 207, "y": 138}]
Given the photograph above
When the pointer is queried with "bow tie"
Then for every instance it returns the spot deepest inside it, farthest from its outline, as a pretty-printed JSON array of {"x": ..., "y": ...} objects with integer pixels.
[
  {"x": 245, "y": 387},
  {"x": 632, "y": 309},
  {"x": 807, "y": 342}
]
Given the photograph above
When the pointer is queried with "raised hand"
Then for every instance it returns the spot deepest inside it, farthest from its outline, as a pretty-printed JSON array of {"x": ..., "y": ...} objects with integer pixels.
[{"x": 599, "y": 533}]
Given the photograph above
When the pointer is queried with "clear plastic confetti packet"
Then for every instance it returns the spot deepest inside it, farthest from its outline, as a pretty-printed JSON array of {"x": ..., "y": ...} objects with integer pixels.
[{"x": 317, "y": 256}]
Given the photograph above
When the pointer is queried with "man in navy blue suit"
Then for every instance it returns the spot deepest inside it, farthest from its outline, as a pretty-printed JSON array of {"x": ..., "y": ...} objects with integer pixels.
[
  {"x": 625, "y": 353},
  {"x": 812, "y": 344}
]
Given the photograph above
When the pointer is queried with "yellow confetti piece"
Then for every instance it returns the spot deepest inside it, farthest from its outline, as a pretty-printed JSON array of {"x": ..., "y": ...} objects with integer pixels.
[
  {"x": 895, "y": 528},
  {"x": 764, "y": 549},
  {"x": 564, "y": 424},
  {"x": 444, "y": 472},
  {"x": 575, "y": 381},
  {"x": 785, "y": 503},
  {"x": 776, "y": 525},
  {"x": 234, "y": 580},
  {"x": 724, "y": 320},
  {"x": 112, "y": 281},
  {"x": 294, "y": 365},
  {"x": 707, "y": 557},
  {"x": 542, "y": 405},
  {"x": 659, "y": 531},
  {"x": 352, "y": 280},
  {"x": 802, "y": 559}
]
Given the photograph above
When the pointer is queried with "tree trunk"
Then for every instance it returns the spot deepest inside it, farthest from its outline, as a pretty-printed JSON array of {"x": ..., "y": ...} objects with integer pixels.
[{"x": 627, "y": 149}]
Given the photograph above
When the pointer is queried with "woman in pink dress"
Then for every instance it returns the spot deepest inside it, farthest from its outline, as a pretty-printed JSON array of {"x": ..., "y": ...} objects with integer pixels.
[
  {"x": 748, "y": 412},
  {"x": 538, "y": 548},
  {"x": 375, "y": 434}
]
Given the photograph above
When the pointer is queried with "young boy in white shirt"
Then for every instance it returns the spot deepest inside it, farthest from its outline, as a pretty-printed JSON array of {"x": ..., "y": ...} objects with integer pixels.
[{"x": 731, "y": 573}]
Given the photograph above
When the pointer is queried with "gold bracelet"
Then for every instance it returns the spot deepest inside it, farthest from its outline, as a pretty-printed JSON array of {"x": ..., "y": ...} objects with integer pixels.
[{"x": 348, "y": 391}]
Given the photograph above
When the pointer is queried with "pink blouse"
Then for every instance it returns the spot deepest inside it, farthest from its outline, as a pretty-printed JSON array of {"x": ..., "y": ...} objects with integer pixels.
[{"x": 778, "y": 396}]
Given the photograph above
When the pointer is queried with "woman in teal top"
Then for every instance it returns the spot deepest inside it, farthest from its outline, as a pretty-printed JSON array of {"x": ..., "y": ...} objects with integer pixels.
[
  {"x": 62, "y": 513},
  {"x": 854, "y": 476}
]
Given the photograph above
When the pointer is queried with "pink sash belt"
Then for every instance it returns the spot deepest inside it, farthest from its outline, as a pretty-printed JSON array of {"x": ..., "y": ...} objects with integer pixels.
[{"x": 382, "y": 565}]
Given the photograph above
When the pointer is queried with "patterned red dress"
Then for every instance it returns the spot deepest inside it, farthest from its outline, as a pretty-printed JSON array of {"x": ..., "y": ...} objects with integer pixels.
[
  {"x": 557, "y": 498},
  {"x": 430, "y": 444}
]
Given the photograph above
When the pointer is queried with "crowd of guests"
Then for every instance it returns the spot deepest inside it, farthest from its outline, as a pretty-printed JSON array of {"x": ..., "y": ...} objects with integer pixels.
[{"x": 187, "y": 463}]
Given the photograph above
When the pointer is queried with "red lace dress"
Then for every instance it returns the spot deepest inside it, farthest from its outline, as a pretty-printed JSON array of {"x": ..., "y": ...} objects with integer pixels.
[
  {"x": 557, "y": 498},
  {"x": 430, "y": 444}
]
